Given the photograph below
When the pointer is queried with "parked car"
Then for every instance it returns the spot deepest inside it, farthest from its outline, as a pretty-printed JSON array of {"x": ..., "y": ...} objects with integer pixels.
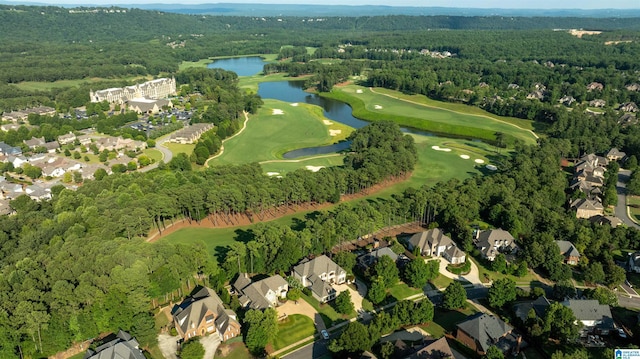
[
  {"x": 325, "y": 334},
  {"x": 621, "y": 333}
]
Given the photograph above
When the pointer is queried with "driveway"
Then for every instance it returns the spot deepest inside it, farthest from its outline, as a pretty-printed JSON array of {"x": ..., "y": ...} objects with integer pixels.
[
  {"x": 472, "y": 277},
  {"x": 356, "y": 296},
  {"x": 304, "y": 308},
  {"x": 168, "y": 346},
  {"x": 621, "y": 209},
  {"x": 210, "y": 344}
]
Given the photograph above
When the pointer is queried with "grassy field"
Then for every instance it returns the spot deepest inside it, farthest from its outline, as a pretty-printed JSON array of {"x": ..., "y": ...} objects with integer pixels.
[
  {"x": 269, "y": 135},
  {"x": 251, "y": 83},
  {"x": 401, "y": 291},
  {"x": 153, "y": 154},
  {"x": 293, "y": 329},
  {"x": 462, "y": 122},
  {"x": 176, "y": 148},
  {"x": 284, "y": 166},
  {"x": 633, "y": 203}
]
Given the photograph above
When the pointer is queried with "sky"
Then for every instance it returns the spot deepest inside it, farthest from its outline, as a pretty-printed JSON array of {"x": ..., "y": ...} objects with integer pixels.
[{"x": 503, "y": 4}]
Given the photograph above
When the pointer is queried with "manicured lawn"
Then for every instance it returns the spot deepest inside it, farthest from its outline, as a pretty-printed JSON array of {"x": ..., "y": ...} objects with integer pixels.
[
  {"x": 328, "y": 314},
  {"x": 293, "y": 329},
  {"x": 153, "y": 154},
  {"x": 269, "y": 135},
  {"x": 486, "y": 272},
  {"x": 401, "y": 291},
  {"x": 441, "y": 281},
  {"x": 251, "y": 83},
  {"x": 448, "y": 319},
  {"x": 633, "y": 203},
  {"x": 281, "y": 167},
  {"x": 238, "y": 351},
  {"x": 176, "y": 148},
  {"x": 428, "y": 115}
]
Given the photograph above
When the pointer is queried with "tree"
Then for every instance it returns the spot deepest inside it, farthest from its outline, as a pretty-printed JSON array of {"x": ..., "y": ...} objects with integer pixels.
[
  {"x": 343, "y": 303},
  {"x": 99, "y": 174},
  {"x": 418, "y": 272},
  {"x": 494, "y": 353},
  {"x": 263, "y": 328},
  {"x": 354, "y": 339},
  {"x": 377, "y": 292},
  {"x": 603, "y": 295},
  {"x": 192, "y": 349},
  {"x": 594, "y": 273},
  {"x": 386, "y": 269},
  {"x": 294, "y": 294},
  {"x": 560, "y": 323},
  {"x": 502, "y": 291},
  {"x": 454, "y": 296},
  {"x": 118, "y": 168},
  {"x": 132, "y": 166},
  {"x": 499, "y": 264},
  {"x": 345, "y": 260}
]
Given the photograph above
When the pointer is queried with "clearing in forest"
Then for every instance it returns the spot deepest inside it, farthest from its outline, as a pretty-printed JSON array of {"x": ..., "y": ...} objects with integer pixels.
[
  {"x": 420, "y": 112},
  {"x": 278, "y": 128}
]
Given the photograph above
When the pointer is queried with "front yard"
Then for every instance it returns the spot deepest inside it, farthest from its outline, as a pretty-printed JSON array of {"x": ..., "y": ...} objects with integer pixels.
[
  {"x": 293, "y": 329},
  {"x": 326, "y": 311}
]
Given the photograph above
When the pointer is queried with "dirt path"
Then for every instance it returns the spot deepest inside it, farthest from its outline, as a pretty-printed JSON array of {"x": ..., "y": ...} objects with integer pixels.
[
  {"x": 244, "y": 125},
  {"x": 245, "y": 219},
  {"x": 458, "y": 112}
]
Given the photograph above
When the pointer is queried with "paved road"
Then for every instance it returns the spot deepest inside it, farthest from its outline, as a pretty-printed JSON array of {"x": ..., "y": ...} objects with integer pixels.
[
  {"x": 167, "y": 155},
  {"x": 621, "y": 207},
  {"x": 314, "y": 350}
]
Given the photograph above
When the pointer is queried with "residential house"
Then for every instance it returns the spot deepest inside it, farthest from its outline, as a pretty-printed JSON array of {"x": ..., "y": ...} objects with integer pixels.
[
  {"x": 66, "y": 139},
  {"x": 594, "y": 316},
  {"x": 595, "y": 86},
  {"x": 319, "y": 274},
  {"x": 37, "y": 193},
  {"x": 84, "y": 140},
  {"x": 614, "y": 154},
  {"x": 586, "y": 208},
  {"x": 190, "y": 134},
  {"x": 368, "y": 259},
  {"x": 483, "y": 330},
  {"x": 436, "y": 244},
  {"x": 569, "y": 251},
  {"x": 9, "y": 150},
  {"x": 494, "y": 241},
  {"x": 435, "y": 349},
  {"x": 261, "y": 294},
  {"x": 567, "y": 100},
  {"x": 17, "y": 161},
  {"x": 5, "y": 208},
  {"x": 203, "y": 313},
  {"x": 627, "y": 119},
  {"x": 597, "y": 103},
  {"x": 535, "y": 95},
  {"x": 116, "y": 346},
  {"x": 52, "y": 146},
  {"x": 590, "y": 187},
  {"x": 34, "y": 142},
  {"x": 633, "y": 87},
  {"x": 539, "y": 307},
  {"x": 634, "y": 262},
  {"x": 9, "y": 126},
  {"x": 628, "y": 107}
]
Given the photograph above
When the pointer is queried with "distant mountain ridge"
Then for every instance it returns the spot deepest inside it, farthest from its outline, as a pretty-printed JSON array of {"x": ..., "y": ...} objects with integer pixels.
[{"x": 346, "y": 10}]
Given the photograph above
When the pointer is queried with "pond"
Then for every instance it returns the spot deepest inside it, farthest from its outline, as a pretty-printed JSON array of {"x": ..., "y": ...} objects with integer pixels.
[{"x": 243, "y": 66}]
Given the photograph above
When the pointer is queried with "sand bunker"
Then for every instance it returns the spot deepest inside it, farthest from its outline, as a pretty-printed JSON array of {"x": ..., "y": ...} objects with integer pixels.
[
  {"x": 377, "y": 107},
  {"x": 273, "y": 173},
  {"x": 464, "y": 157},
  {"x": 491, "y": 167},
  {"x": 334, "y": 132},
  {"x": 438, "y": 148},
  {"x": 294, "y": 104},
  {"x": 477, "y": 160},
  {"x": 358, "y": 91},
  {"x": 314, "y": 168},
  {"x": 277, "y": 111},
  {"x": 327, "y": 122}
]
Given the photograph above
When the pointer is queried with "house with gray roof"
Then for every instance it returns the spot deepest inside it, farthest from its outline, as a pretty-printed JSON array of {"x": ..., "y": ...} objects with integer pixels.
[
  {"x": 569, "y": 251},
  {"x": 203, "y": 313},
  {"x": 492, "y": 242},
  {"x": 34, "y": 142},
  {"x": 482, "y": 330},
  {"x": 318, "y": 275},
  {"x": 116, "y": 346},
  {"x": 262, "y": 294},
  {"x": 66, "y": 139},
  {"x": 634, "y": 262},
  {"x": 614, "y": 154},
  {"x": 9, "y": 150},
  {"x": 368, "y": 259},
  {"x": 586, "y": 208},
  {"x": 539, "y": 306},
  {"x": 435, "y": 349},
  {"x": 435, "y": 243},
  {"x": 594, "y": 316}
]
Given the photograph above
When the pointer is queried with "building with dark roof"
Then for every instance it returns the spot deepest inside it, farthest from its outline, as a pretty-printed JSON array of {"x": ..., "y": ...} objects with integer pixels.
[
  {"x": 318, "y": 275},
  {"x": 492, "y": 242},
  {"x": 116, "y": 346},
  {"x": 436, "y": 349},
  {"x": 569, "y": 252},
  {"x": 436, "y": 244},
  {"x": 539, "y": 306},
  {"x": 593, "y": 315},
  {"x": 203, "y": 313},
  {"x": 482, "y": 330}
]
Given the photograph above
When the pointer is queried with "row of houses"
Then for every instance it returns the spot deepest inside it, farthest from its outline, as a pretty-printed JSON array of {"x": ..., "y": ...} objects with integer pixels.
[
  {"x": 190, "y": 134},
  {"x": 22, "y": 115}
]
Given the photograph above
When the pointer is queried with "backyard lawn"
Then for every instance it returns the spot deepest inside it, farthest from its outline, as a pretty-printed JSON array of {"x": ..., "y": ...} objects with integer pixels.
[
  {"x": 293, "y": 329},
  {"x": 401, "y": 291}
]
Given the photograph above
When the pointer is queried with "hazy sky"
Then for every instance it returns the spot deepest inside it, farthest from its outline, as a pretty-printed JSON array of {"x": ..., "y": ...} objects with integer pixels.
[{"x": 505, "y": 4}]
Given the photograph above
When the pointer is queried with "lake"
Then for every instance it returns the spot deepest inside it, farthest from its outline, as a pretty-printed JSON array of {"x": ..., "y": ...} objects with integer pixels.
[{"x": 243, "y": 66}]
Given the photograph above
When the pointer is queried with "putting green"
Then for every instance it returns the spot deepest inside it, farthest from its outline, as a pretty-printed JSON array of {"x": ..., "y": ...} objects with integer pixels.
[
  {"x": 277, "y": 128},
  {"x": 392, "y": 105}
]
